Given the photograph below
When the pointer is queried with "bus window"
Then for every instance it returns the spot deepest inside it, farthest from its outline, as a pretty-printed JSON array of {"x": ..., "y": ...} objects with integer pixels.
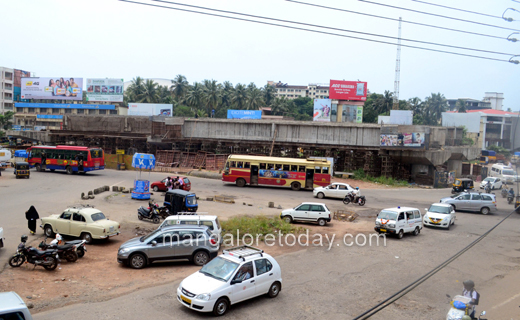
[
  {"x": 59, "y": 155},
  {"x": 278, "y": 166},
  {"x": 247, "y": 165},
  {"x": 233, "y": 164},
  {"x": 302, "y": 168},
  {"x": 285, "y": 167},
  {"x": 227, "y": 166},
  {"x": 263, "y": 166},
  {"x": 325, "y": 170},
  {"x": 294, "y": 168},
  {"x": 317, "y": 169},
  {"x": 239, "y": 164},
  {"x": 96, "y": 153},
  {"x": 270, "y": 166}
]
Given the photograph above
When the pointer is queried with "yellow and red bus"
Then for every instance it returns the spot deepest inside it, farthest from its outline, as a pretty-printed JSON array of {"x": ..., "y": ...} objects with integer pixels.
[
  {"x": 273, "y": 171},
  {"x": 72, "y": 159}
]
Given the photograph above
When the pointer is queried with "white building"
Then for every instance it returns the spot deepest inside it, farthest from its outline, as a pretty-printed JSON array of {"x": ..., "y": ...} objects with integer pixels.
[
  {"x": 496, "y": 99},
  {"x": 289, "y": 91},
  {"x": 6, "y": 89}
]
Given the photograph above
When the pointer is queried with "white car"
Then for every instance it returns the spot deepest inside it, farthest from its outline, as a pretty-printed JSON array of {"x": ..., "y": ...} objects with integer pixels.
[
  {"x": 335, "y": 190},
  {"x": 307, "y": 211},
  {"x": 494, "y": 182},
  {"x": 238, "y": 274},
  {"x": 399, "y": 221},
  {"x": 439, "y": 215}
]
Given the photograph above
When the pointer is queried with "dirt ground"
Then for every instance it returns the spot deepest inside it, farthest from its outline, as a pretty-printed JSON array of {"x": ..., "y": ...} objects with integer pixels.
[{"x": 98, "y": 277}]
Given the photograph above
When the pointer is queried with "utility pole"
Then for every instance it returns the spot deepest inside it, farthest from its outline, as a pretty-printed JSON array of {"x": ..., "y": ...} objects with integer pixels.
[{"x": 397, "y": 69}]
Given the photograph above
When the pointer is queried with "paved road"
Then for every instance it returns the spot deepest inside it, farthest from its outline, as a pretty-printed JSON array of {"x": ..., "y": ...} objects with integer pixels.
[{"x": 318, "y": 283}]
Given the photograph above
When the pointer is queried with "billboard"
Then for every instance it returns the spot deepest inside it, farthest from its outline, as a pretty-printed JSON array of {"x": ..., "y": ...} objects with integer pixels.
[
  {"x": 244, "y": 114},
  {"x": 348, "y": 90},
  {"x": 105, "y": 90},
  {"x": 322, "y": 109},
  {"x": 18, "y": 75},
  {"x": 414, "y": 139},
  {"x": 150, "y": 109},
  {"x": 58, "y": 88}
]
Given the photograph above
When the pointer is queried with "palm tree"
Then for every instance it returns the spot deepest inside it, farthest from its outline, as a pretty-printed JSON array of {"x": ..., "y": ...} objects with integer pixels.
[
  {"x": 255, "y": 99},
  {"x": 194, "y": 97},
  {"x": 269, "y": 92},
  {"x": 415, "y": 106},
  {"x": 212, "y": 95},
  {"x": 436, "y": 104},
  {"x": 135, "y": 89},
  {"x": 150, "y": 93},
  {"x": 461, "y": 105},
  {"x": 226, "y": 90},
  {"x": 179, "y": 87},
  {"x": 239, "y": 97},
  {"x": 279, "y": 106}
]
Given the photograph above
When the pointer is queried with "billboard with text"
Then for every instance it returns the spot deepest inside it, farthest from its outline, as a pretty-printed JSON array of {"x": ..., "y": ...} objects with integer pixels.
[
  {"x": 55, "y": 88},
  {"x": 150, "y": 109},
  {"x": 348, "y": 90},
  {"x": 110, "y": 90},
  {"x": 244, "y": 114}
]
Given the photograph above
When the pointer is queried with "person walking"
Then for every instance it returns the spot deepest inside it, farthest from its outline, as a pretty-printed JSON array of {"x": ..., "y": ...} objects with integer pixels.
[
  {"x": 32, "y": 215},
  {"x": 169, "y": 183}
]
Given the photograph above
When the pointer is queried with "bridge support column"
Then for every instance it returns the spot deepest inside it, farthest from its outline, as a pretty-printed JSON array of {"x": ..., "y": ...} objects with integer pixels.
[{"x": 455, "y": 165}]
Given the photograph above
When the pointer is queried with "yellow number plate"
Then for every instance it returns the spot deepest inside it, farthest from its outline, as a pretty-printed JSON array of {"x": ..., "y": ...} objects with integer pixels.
[
  {"x": 188, "y": 301},
  {"x": 382, "y": 230}
]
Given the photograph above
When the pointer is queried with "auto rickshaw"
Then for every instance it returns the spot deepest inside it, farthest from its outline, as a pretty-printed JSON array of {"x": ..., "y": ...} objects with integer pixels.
[
  {"x": 461, "y": 185},
  {"x": 21, "y": 170}
]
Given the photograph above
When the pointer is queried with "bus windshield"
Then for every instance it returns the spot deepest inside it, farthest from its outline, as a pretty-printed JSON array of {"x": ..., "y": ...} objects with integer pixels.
[{"x": 96, "y": 153}]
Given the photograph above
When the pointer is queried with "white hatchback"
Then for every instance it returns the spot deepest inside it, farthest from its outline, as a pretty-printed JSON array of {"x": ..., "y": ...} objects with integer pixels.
[
  {"x": 309, "y": 212},
  {"x": 439, "y": 215},
  {"x": 335, "y": 190},
  {"x": 238, "y": 274}
]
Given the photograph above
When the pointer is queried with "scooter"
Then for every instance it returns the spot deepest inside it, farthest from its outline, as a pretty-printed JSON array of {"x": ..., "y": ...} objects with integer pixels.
[
  {"x": 460, "y": 310},
  {"x": 48, "y": 258},
  {"x": 504, "y": 192},
  {"x": 361, "y": 200},
  {"x": 510, "y": 198},
  {"x": 71, "y": 250},
  {"x": 150, "y": 213}
]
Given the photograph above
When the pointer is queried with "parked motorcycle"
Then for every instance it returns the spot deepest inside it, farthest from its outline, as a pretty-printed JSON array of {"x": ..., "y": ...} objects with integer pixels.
[
  {"x": 69, "y": 251},
  {"x": 361, "y": 200},
  {"x": 164, "y": 212},
  {"x": 150, "y": 213},
  {"x": 47, "y": 259}
]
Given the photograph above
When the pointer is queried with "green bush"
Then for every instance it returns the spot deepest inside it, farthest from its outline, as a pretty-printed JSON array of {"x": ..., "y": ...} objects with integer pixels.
[
  {"x": 360, "y": 174},
  {"x": 258, "y": 225}
]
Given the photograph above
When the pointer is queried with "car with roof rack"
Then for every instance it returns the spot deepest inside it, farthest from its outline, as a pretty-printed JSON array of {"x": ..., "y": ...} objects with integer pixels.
[{"x": 238, "y": 274}]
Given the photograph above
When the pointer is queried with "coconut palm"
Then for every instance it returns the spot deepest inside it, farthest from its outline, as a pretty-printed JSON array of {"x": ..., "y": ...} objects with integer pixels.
[
  {"x": 269, "y": 92},
  {"x": 239, "y": 97},
  {"x": 179, "y": 87},
  {"x": 461, "y": 105},
  {"x": 255, "y": 99},
  {"x": 279, "y": 106},
  {"x": 194, "y": 97},
  {"x": 135, "y": 89},
  {"x": 212, "y": 95},
  {"x": 226, "y": 95},
  {"x": 436, "y": 104},
  {"x": 150, "y": 92}
]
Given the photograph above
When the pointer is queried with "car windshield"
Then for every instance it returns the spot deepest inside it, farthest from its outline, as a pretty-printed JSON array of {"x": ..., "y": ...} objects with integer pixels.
[
  {"x": 191, "y": 200},
  {"x": 387, "y": 215},
  {"x": 150, "y": 235},
  {"x": 508, "y": 172},
  {"x": 439, "y": 209},
  {"x": 98, "y": 216},
  {"x": 219, "y": 268},
  {"x": 489, "y": 179}
]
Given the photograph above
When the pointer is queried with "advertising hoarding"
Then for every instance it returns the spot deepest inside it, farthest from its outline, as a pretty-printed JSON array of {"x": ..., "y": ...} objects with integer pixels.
[
  {"x": 322, "y": 109},
  {"x": 348, "y": 90},
  {"x": 359, "y": 115},
  {"x": 244, "y": 114},
  {"x": 18, "y": 75},
  {"x": 105, "y": 90},
  {"x": 414, "y": 139},
  {"x": 56, "y": 88},
  {"x": 150, "y": 109}
]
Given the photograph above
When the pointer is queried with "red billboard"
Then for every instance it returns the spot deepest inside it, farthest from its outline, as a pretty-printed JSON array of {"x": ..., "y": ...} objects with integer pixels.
[{"x": 348, "y": 90}]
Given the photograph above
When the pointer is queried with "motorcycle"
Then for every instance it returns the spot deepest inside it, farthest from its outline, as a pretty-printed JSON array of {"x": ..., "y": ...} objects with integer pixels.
[
  {"x": 460, "y": 310},
  {"x": 47, "y": 259},
  {"x": 150, "y": 213},
  {"x": 504, "y": 192},
  {"x": 163, "y": 212},
  {"x": 361, "y": 200},
  {"x": 71, "y": 251}
]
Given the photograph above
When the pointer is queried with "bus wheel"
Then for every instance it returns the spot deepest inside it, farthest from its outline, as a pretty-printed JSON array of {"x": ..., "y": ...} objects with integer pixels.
[
  {"x": 69, "y": 170},
  {"x": 38, "y": 167},
  {"x": 296, "y": 186},
  {"x": 241, "y": 183}
]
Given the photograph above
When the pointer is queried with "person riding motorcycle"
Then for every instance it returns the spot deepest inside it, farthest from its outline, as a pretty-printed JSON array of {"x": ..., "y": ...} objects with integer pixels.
[
  {"x": 511, "y": 192},
  {"x": 487, "y": 188}
]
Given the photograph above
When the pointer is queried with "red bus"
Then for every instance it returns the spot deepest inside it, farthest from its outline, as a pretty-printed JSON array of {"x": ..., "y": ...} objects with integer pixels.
[
  {"x": 69, "y": 158},
  {"x": 272, "y": 171}
]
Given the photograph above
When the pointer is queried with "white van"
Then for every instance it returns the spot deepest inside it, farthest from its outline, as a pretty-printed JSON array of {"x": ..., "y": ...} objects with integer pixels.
[
  {"x": 196, "y": 219},
  {"x": 399, "y": 221},
  {"x": 13, "y": 307},
  {"x": 505, "y": 173}
]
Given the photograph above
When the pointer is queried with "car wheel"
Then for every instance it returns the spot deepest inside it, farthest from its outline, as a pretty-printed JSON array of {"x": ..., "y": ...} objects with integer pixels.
[
  {"x": 321, "y": 195},
  {"x": 449, "y": 225},
  {"x": 48, "y": 231},
  {"x": 296, "y": 186},
  {"x": 322, "y": 222},
  {"x": 416, "y": 231},
  {"x": 241, "y": 183},
  {"x": 137, "y": 261},
  {"x": 87, "y": 237},
  {"x": 453, "y": 223},
  {"x": 274, "y": 290},
  {"x": 200, "y": 258},
  {"x": 484, "y": 210},
  {"x": 71, "y": 256},
  {"x": 400, "y": 234},
  {"x": 156, "y": 188},
  {"x": 287, "y": 219},
  {"x": 221, "y": 307}
]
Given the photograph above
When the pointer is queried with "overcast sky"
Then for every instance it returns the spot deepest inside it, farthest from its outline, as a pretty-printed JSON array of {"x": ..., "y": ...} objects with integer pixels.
[{"x": 114, "y": 39}]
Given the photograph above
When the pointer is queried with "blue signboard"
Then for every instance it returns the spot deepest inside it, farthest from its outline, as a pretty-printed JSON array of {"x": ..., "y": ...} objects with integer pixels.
[
  {"x": 244, "y": 114},
  {"x": 16, "y": 127},
  {"x": 143, "y": 161},
  {"x": 65, "y": 106},
  {"x": 49, "y": 116}
]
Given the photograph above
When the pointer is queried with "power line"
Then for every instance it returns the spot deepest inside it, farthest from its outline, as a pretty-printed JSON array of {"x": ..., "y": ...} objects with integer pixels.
[
  {"x": 394, "y": 19},
  {"x": 439, "y": 15},
  {"x": 314, "y": 31},
  {"x": 330, "y": 28},
  {"x": 463, "y": 10}
]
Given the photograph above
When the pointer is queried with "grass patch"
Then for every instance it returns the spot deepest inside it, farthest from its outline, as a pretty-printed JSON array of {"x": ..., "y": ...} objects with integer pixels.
[
  {"x": 360, "y": 174},
  {"x": 258, "y": 225}
]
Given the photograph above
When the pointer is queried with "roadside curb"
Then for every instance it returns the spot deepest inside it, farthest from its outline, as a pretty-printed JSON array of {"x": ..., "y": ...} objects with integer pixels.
[{"x": 205, "y": 174}]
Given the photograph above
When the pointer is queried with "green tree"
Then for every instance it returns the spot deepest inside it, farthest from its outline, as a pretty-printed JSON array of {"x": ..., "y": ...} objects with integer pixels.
[
  {"x": 435, "y": 105},
  {"x": 239, "y": 97},
  {"x": 5, "y": 120},
  {"x": 194, "y": 97},
  {"x": 461, "y": 105},
  {"x": 212, "y": 96},
  {"x": 179, "y": 87},
  {"x": 280, "y": 106},
  {"x": 150, "y": 93},
  {"x": 226, "y": 96},
  {"x": 255, "y": 99},
  {"x": 135, "y": 89},
  {"x": 183, "y": 111},
  {"x": 269, "y": 92},
  {"x": 370, "y": 108}
]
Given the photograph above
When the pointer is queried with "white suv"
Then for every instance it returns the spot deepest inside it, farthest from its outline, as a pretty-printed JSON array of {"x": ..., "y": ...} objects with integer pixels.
[
  {"x": 236, "y": 275},
  {"x": 307, "y": 211}
]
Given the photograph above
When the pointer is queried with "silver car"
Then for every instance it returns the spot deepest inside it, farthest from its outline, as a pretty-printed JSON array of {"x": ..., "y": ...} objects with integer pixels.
[
  {"x": 195, "y": 243},
  {"x": 479, "y": 202}
]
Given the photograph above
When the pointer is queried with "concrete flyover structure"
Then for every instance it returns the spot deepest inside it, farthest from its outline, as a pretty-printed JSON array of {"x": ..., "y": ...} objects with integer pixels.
[{"x": 353, "y": 146}]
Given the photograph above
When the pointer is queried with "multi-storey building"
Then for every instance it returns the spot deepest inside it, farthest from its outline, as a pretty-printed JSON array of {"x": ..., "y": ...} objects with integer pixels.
[
  {"x": 6, "y": 89},
  {"x": 492, "y": 100},
  {"x": 313, "y": 91}
]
